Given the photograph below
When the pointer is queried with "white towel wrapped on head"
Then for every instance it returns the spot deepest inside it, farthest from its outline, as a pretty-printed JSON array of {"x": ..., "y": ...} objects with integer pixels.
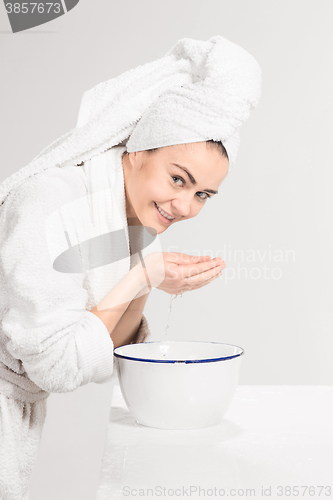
[
  {"x": 200, "y": 90},
  {"x": 224, "y": 85}
]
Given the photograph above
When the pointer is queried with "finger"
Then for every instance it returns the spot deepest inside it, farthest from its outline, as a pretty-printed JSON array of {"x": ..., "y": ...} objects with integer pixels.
[
  {"x": 207, "y": 282},
  {"x": 183, "y": 258},
  {"x": 204, "y": 276},
  {"x": 189, "y": 287},
  {"x": 196, "y": 269},
  {"x": 200, "y": 258}
]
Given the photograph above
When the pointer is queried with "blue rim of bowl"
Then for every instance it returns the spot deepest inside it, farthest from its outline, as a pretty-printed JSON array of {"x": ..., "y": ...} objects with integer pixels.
[{"x": 180, "y": 361}]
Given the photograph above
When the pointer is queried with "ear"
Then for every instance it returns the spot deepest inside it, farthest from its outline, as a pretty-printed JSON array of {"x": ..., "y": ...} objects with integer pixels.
[{"x": 135, "y": 158}]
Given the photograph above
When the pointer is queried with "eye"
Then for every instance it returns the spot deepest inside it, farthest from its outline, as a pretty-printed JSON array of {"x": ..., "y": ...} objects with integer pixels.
[
  {"x": 199, "y": 193},
  {"x": 207, "y": 196},
  {"x": 178, "y": 178}
]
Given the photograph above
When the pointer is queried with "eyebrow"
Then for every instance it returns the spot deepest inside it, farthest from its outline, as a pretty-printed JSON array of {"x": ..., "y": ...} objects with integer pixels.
[{"x": 192, "y": 179}]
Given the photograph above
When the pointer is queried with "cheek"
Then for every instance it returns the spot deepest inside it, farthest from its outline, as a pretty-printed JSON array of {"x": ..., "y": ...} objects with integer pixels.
[
  {"x": 195, "y": 209},
  {"x": 155, "y": 191}
]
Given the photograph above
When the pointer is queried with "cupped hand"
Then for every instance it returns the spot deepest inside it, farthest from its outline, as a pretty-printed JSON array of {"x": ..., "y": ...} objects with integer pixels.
[{"x": 176, "y": 273}]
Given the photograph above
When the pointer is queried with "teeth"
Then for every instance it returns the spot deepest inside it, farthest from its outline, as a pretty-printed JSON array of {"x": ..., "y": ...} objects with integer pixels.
[{"x": 163, "y": 213}]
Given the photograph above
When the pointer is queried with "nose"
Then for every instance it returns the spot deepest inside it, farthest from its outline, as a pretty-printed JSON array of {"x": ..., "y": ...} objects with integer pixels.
[{"x": 182, "y": 205}]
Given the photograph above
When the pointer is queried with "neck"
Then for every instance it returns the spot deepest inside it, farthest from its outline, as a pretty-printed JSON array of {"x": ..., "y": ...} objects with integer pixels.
[
  {"x": 133, "y": 221},
  {"x": 129, "y": 210}
]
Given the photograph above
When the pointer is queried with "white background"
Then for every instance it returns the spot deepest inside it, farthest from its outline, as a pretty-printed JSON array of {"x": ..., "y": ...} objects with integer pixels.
[{"x": 277, "y": 200}]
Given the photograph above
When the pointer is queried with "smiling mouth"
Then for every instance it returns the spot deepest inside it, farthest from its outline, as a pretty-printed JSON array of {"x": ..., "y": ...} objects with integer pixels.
[{"x": 165, "y": 216}]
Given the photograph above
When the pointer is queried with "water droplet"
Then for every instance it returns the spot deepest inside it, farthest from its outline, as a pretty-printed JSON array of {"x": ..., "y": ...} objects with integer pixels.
[{"x": 169, "y": 312}]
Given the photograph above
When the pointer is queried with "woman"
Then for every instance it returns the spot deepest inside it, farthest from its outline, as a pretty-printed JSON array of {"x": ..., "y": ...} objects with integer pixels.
[{"x": 149, "y": 149}]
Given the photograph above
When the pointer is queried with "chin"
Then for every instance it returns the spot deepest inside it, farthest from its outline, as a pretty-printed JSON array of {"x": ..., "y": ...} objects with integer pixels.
[{"x": 157, "y": 228}]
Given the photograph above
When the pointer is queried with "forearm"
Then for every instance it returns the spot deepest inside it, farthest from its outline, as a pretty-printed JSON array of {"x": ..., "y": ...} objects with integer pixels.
[
  {"x": 114, "y": 305},
  {"x": 128, "y": 325}
]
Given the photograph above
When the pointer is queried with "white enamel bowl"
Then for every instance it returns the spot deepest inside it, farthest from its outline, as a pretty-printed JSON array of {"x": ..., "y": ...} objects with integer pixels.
[{"x": 178, "y": 385}]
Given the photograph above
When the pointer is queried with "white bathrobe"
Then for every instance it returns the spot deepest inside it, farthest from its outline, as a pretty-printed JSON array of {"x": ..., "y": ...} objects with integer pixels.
[{"x": 49, "y": 341}]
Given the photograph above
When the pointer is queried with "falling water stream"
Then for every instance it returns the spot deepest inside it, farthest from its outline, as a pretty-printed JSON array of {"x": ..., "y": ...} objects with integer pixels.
[{"x": 169, "y": 312}]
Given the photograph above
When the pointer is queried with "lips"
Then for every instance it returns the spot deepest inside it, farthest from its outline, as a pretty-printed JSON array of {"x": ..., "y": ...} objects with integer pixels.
[{"x": 164, "y": 219}]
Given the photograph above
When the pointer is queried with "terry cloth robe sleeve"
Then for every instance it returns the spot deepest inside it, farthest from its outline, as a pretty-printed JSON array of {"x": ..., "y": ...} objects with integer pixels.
[{"x": 60, "y": 344}]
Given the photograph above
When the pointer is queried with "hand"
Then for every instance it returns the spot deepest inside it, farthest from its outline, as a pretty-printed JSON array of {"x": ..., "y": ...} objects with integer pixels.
[{"x": 176, "y": 273}]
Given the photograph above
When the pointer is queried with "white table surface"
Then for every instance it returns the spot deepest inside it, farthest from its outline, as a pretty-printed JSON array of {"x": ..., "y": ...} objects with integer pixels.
[{"x": 271, "y": 437}]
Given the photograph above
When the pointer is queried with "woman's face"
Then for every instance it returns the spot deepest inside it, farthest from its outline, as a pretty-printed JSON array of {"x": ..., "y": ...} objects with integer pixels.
[{"x": 177, "y": 180}]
